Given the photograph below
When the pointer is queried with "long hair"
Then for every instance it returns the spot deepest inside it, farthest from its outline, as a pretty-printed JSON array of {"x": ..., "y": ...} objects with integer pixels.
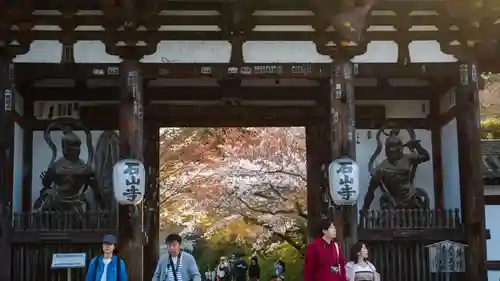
[
  {"x": 115, "y": 251},
  {"x": 355, "y": 252}
]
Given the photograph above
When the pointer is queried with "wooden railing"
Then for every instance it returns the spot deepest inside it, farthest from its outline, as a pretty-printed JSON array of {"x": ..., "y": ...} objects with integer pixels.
[
  {"x": 36, "y": 236},
  {"x": 410, "y": 218},
  {"x": 397, "y": 241},
  {"x": 65, "y": 221},
  {"x": 31, "y": 262}
]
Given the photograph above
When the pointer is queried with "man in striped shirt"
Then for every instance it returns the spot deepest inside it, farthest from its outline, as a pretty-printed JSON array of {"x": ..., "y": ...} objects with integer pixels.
[{"x": 176, "y": 265}]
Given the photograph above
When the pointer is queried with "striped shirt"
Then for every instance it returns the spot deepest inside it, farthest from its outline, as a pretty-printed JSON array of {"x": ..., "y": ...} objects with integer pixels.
[{"x": 177, "y": 261}]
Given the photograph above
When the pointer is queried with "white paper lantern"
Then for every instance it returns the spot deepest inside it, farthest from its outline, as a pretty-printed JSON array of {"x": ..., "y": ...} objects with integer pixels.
[
  {"x": 129, "y": 179},
  {"x": 343, "y": 177}
]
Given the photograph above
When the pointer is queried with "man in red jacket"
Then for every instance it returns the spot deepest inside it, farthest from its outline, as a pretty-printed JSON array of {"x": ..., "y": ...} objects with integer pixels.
[{"x": 324, "y": 261}]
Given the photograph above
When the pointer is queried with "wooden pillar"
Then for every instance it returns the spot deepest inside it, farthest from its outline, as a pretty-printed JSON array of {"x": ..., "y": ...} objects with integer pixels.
[
  {"x": 437, "y": 162},
  {"x": 152, "y": 214},
  {"x": 130, "y": 236},
  {"x": 316, "y": 149},
  {"x": 471, "y": 183},
  {"x": 28, "y": 152},
  {"x": 342, "y": 137},
  {"x": 6, "y": 162}
]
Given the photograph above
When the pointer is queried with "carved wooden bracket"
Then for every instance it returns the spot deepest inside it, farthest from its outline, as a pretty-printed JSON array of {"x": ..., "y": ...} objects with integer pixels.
[
  {"x": 17, "y": 17},
  {"x": 473, "y": 10},
  {"x": 350, "y": 22},
  {"x": 236, "y": 24},
  {"x": 475, "y": 21},
  {"x": 333, "y": 46},
  {"x": 126, "y": 17},
  {"x": 148, "y": 14}
]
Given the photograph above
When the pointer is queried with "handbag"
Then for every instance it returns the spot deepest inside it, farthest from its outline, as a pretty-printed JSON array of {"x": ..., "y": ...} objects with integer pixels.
[{"x": 375, "y": 273}]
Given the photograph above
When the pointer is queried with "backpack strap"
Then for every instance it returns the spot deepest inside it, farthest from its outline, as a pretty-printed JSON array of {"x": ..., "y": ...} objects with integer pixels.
[
  {"x": 96, "y": 266},
  {"x": 119, "y": 263}
]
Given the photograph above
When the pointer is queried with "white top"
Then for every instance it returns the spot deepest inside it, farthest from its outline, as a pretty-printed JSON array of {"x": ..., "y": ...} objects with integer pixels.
[
  {"x": 357, "y": 272},
  {"x": 105, "y": 271},
  {"x": 220, "y": 270},
  {"x": 170, "y": 270}
]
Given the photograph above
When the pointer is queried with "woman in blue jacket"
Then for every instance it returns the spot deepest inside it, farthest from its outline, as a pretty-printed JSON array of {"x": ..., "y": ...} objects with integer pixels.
[{"x": 107, "y": 267}]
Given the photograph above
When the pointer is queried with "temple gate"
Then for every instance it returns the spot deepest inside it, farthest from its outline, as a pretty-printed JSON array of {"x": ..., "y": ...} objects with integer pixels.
[{"x": 110, "y": 88}]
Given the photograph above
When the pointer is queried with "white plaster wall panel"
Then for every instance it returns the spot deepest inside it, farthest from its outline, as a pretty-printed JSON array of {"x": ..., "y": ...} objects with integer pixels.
[
  {"x": 18, "y": 171},
  {"x": 450, "y": 168},
  {"x": 93, "y": 52},
  {"x": 493, "y": 244},
  {"x": 381, "y": 51},
  {"x": 493, "y": 274},
  {"x": 42, "y": 155},
  {"x": 428, "y": 51},
  {"x": 401, "y": 108},
  {"x": 191, "y": 52},
  {"x": 282, "y": 52},
  {"x": 219, "y": 52},
  {"x": 44, "y": 51},
  {"x": 365, "y": 148}
]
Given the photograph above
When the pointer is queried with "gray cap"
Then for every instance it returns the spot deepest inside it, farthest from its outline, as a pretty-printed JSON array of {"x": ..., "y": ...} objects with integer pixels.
[{"x": 109, "y": 239}]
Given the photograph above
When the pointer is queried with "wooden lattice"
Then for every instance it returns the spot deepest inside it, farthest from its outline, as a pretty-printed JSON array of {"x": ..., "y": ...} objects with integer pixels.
[{"x": 143, "y": 24}]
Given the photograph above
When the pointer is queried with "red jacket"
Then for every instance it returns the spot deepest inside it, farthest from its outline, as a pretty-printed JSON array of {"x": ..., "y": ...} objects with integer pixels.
[{"x": 320, "y": 257}]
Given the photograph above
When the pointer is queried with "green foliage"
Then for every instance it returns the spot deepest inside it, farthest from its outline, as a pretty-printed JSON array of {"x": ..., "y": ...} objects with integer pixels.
[
  {"x": 208, "y": 252},
  {"x": 294, "y": 263},
  {"x": 490, "y": 129},
  {"x": 224, "y": 242}
]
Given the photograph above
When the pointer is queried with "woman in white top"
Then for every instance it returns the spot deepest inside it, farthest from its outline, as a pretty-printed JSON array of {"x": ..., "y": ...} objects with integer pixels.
[{"x": 359, "y": 268}]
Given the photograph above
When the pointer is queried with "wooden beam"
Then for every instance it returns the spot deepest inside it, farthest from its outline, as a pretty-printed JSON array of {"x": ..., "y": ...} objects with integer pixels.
[
  {"x": 449, "y": 115},
  {"x": 28, "y": 154},
  {"x": 130, "y": 236},
  {"x": 170, "y": 93},
  {"x": 470, "y": 165},
  {"x": 316, "y": 149},
  {"x": 492, "y": 199},
  {"x": 103, "y": 117},
  {"x": 415, "y": 234},
  {"x": 215, "y": 20},
  {"x": 216, "y": 35},
  {"x": 151, "y": 210},
  {"x": 437, "y": 168},
  {"x": 493, "y": 265},
  {"x": 6, "y": 162},
  {"x": 289, "y": 5},
  {"x": 27, "y": 72},
  {"x": 342, "y": 137},
  {"x": 59, "y": 237}
]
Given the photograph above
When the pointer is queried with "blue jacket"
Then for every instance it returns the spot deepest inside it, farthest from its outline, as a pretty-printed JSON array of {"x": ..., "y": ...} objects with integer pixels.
[{"x": 111, "y": 274}]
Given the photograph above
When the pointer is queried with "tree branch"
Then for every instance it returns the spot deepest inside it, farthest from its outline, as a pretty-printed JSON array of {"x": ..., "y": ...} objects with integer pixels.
[
  {"x": 288, "y": 173},
  {"x": 282, "y": 236},
  {"x": 254, "y": 173},
  {"x": 260, "y": 209},
  {"x": 300, "y": 212},
  {"x": 180, "y": 188}
]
